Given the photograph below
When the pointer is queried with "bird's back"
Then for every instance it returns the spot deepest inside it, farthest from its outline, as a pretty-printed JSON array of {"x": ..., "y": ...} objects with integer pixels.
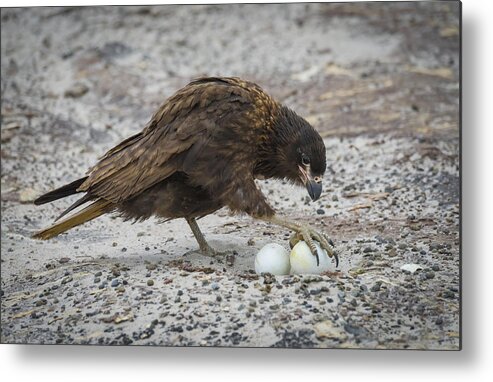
[{"x": 216, "y": 114}]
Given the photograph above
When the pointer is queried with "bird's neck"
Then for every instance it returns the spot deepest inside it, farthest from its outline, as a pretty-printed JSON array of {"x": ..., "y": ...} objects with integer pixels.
[{"x": 273, "y": 152}]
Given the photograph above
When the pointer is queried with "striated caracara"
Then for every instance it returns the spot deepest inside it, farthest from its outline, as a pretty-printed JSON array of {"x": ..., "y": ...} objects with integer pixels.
[{"x": 202, "y": 150}]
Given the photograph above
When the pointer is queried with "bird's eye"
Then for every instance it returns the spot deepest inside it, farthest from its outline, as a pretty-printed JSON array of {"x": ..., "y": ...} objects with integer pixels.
[{"x": 305, "y": 160}]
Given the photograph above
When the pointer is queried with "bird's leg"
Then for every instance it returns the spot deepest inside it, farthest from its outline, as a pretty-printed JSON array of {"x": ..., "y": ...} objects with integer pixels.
[
  {"x": 205, "y": 248},
  {"x": 308, "y": 234}
]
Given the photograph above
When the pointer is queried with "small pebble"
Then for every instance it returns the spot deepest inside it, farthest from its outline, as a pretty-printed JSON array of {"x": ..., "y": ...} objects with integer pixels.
[
  {"x": 151, "y": 267},
  {"x": 76, "y": 90},
  {"x": 448, "y": 294},
  {"x": 430, "y": 275},
  {"x": 41, "y": 302},
  {"x": 376, "y": 287}
]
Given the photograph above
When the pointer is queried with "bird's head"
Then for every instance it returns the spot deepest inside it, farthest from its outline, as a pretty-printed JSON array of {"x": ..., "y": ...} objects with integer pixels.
[
  {"x": 299, "y": 153},
  {"x": 310, "y": 165}
]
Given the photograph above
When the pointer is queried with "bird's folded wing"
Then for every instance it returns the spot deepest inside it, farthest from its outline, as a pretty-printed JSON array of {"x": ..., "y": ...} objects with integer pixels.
[
  {"x": 132, "y": 169},
  {"x": 159, "y": 150}
]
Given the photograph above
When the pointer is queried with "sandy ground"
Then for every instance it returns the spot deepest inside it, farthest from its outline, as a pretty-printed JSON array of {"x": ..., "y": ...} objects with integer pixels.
[{"x": 379, "y": 81}]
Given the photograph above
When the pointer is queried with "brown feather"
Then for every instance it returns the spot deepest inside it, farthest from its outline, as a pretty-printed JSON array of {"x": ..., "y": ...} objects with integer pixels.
[
  {"x": 181, "y": 122},
  {"x": 90, "y": 212}
]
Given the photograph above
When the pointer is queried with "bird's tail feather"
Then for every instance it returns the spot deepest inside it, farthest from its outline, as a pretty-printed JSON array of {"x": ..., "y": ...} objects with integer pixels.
[
  {"x": 68, "y": 189},
  {"x": 88, "y": 213}
]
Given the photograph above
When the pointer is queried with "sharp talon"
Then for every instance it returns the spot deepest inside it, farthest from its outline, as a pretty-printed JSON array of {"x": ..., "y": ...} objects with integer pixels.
[
  {"x": 331, "y": 242},
  {"x": 337, "y": 259},
  {"x": 318, "y": 260}
]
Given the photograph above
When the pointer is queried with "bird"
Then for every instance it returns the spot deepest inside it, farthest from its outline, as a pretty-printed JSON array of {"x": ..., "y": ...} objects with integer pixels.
[{"x": 202, "y": 150}]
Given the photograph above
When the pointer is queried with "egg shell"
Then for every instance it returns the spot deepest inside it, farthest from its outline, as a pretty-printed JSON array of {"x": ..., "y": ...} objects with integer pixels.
[
  {"x": 272, "y": 258},
  {"x": 304, "y": 262}
]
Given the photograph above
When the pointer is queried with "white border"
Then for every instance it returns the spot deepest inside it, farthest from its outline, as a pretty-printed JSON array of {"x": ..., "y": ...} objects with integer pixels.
[{"x": 474, "y": 363}]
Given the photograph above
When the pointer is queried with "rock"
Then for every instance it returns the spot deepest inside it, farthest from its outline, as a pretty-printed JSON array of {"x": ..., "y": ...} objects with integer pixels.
[
  {"x": 376, "y": 287},
  {"x": 150, "y": 282},
  {"x": 305, "y": 75},
  {"x": 356, "y": 330},
  {"x": 41, "y": 302},
  {"x": 392, "y": 252},
  {"x": 9, "y": 130},
  {"x": 326, "y": 329},
  {"x": 27, "y": 195},
  {"x": 320, "y": 211},
  {"x": 448, "y": 294},
  {"x": 151, "y": 267},
  {"x": 356, "y": 292},
  {"x": 67, "y": 279},
  {"x": 269, "y": 278},
  {"x": 230, "y": 258},
  {"x": 115, "y": 283},
  {"x": 411, "y": 268},
  {"x": 76, "y": 90},
  {"x": 116, "y": 272},
  {"x": 114, "y": 49},
  {"x": 430, "y": 275}
]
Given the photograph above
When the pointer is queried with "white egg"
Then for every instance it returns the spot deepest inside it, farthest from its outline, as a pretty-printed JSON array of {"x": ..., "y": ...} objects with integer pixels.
[
  {"x": 304, "y": 262},
  {"x": 272, "y": 258}
]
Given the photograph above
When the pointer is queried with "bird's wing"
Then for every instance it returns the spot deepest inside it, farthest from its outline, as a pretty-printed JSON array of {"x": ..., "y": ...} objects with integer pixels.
[{"x": 154, "y": 154}]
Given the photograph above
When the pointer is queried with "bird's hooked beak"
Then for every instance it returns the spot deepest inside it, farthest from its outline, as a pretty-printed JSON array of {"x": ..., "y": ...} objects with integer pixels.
[{"x": 313, "y": 184}]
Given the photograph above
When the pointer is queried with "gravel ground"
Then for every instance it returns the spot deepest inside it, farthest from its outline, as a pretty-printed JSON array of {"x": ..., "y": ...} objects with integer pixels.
[{"x": 379, "y": 81}]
